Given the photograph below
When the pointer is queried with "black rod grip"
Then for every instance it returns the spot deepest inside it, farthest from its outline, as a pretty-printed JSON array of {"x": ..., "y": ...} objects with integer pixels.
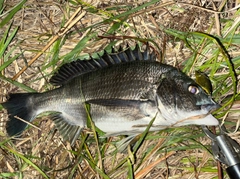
[{"x": 234, "y": 171}]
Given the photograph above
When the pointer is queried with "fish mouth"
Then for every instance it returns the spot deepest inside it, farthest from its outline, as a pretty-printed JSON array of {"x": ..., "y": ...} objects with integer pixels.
[{"x": 210, "y": 107}]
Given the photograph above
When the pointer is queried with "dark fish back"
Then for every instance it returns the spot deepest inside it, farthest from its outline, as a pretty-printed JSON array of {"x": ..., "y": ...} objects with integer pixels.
[
  {"x": 128, "y": 74},
  {"x": 128, "y": 81}
]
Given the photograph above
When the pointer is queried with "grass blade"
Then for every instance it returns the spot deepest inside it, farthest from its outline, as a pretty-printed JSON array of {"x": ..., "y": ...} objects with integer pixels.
[
  {"x": 12, "y": 13},
  {"x": 26, "y": 160}
]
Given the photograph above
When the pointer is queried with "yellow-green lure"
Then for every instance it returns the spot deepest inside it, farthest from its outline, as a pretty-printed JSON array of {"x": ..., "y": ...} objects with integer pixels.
[{"x": 203, "y": 80}]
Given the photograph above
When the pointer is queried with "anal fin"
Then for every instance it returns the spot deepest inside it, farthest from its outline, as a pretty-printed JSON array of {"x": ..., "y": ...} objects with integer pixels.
[{"x": 68, "y": 131}]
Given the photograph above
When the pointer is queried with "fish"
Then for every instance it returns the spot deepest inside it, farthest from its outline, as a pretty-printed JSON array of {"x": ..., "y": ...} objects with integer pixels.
[{"x": 123, "y": 90}]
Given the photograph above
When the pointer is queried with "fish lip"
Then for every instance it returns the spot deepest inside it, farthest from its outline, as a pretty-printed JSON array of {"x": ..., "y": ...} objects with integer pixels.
[{"x": 210, "y": 107}]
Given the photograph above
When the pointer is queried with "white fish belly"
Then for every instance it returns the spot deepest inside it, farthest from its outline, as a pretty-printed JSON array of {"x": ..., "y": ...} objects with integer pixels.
[{"x": 120, "y": 126}]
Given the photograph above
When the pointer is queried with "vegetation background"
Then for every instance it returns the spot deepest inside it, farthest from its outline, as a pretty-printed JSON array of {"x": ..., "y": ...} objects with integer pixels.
[{"x": 38, "y": 36}]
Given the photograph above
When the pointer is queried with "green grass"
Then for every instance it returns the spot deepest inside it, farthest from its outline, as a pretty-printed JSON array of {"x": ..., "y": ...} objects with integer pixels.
[{"x": 187, "y": 149}]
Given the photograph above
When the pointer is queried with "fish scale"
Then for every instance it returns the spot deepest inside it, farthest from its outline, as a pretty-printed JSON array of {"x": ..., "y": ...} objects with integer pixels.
[
  {"x": 124, "y": 90},
  {"x": 112, "y": 84}
]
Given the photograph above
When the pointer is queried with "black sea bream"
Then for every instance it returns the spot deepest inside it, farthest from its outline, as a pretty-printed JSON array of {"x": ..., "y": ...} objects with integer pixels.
[{"x": 125, "y": 91}]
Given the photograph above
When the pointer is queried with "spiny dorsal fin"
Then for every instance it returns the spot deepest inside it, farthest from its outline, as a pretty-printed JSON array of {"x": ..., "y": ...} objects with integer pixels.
[{"x": 69, "y": 71}]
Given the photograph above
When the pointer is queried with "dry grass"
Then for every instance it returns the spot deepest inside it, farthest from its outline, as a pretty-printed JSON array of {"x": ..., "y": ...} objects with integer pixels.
[{"x": 172, "y": 153}]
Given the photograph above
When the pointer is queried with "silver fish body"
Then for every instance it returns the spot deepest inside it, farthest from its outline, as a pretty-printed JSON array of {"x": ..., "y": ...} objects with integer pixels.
[{"x": 124, "y": 90}]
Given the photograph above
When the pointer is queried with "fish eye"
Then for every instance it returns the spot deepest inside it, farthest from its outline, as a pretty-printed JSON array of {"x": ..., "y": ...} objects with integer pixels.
[{"x": 193, "y": 89}]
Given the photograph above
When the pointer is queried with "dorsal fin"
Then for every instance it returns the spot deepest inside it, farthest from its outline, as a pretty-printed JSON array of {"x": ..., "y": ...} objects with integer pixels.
[{"x": 70, "y": 70}]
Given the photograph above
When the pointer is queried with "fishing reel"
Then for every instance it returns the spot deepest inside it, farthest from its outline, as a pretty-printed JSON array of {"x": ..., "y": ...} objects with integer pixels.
[{"x": 226, "y": 150}]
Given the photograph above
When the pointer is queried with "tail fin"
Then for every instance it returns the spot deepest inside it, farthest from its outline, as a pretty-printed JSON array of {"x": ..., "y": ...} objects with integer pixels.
[{"x": 19, "y": 105}]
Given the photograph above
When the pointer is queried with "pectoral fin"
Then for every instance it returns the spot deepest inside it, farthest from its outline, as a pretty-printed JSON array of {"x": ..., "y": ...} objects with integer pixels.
[
  {"x": 127, "y": 109},
  {"x": 115, "y": 102}
]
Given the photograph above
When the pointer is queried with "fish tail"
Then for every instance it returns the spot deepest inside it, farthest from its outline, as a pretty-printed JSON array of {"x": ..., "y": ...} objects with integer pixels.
[{"x": 19, "y": 106}]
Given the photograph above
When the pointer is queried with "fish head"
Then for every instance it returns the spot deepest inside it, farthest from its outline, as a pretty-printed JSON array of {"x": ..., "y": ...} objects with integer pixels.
[{"x": 181, "y": 101}]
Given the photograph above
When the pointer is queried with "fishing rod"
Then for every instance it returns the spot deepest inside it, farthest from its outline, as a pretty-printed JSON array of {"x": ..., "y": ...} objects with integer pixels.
[{"x": 226, "y": 150}]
